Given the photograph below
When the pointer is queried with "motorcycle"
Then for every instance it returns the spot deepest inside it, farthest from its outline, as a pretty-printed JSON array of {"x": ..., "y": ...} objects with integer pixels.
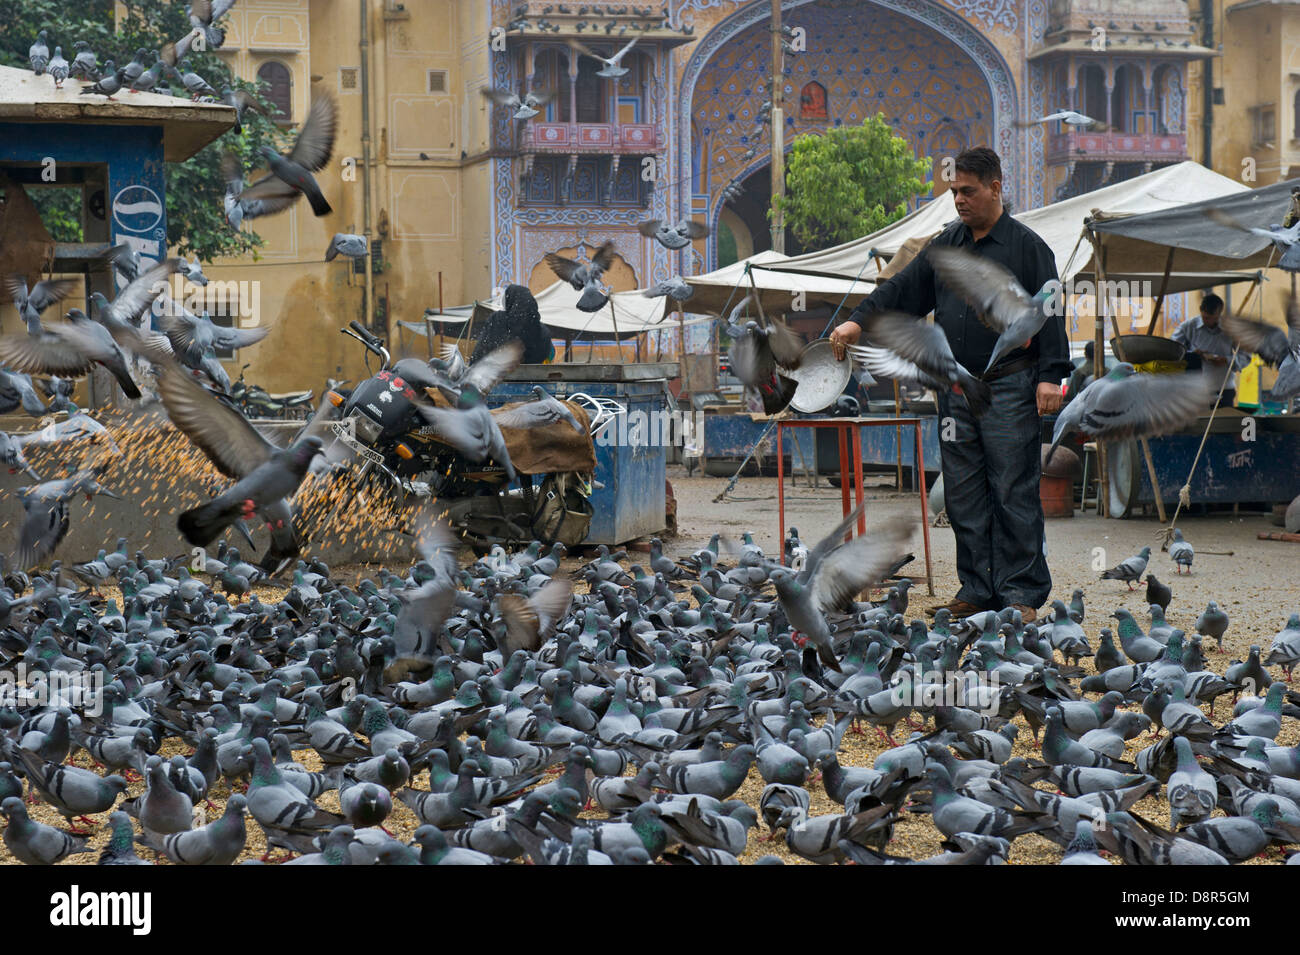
[
  {"x": 379, "y": 442},
  {"x": 256, "y": 402}
]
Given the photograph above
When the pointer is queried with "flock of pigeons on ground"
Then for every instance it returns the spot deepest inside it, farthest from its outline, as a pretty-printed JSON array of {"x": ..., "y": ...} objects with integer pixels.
[{"x": 497, "y": 702}]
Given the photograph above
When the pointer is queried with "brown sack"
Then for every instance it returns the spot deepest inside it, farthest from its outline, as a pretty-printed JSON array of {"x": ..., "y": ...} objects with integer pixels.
[{"x": 25, "y": 244}]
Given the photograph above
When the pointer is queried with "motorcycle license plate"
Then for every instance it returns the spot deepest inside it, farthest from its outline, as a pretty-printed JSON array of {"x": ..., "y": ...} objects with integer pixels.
[{"x": 343, "y": 430}]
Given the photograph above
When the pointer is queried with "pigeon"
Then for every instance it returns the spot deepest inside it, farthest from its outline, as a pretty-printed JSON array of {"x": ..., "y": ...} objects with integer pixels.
[
  {"x": 1271, "y": 343},
  {"x": 997, "y": 296},
  {"x": 84, "y": 64},
  {"x": 203, "y": 14},
  {"x": 1285, "y": 649},
  {"x": 544, "y": 409},
  {"x": 675, "y": 288},
  {"x": 291, "y": 176},
  {"x": 58, "y": 68},
  {"x": 265, "y": 475},
  {"x": 220, "y": 842},
  {"x": 1136, "y": 645},
  {"x": 527, "y": 622},
  {"x": 1158, "y": 593},
  {"x": 163, "y": 809},
  {"x": 835, "y": 574},
  {"x": 1181, "y": 553},
  {"x": 525, "y": 108},
  {"x": 611, "y": 67},
  {"x": 46, "y": 520},
  {"x": 585, "y": 278},
  {"x": 197, "y": 86},
  {"x": 346, "y": 243},
  {"x": 73, "y": 791},
  {"x": 241, "y": 101},
  {"x": 1070, "y": 117},
  {"x": 43, "y": 294},
  {"x": 131, "y": 72},
  {"x": 1126, "y": 404},
  {"x": 917, "y": 351},
  {"x": 149, "y": 79},
  {"x": 470, "y": 428},
  {"x": 1213, "y": 622},
  {"x": 194, "y": 336},
  {"x": 34, "y": 843},
  {"x": 674, "y": 236},
  {"x": 1285, "y": 240},
  {"x": 1192, "y": 791},
  {"x": 1130, "y": 569},
  {"x": 1083, "y": 849},
  {"x": 38, "y": 54},
  {"x": 758, "y": 358},
  {"x": 15, "y": 390},
  {"x": 108, "y": 83},
  {"x": 120, "y": 848}
]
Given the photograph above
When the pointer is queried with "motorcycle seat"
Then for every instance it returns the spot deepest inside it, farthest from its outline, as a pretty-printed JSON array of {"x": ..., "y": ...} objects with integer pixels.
[{"x": 290, "y": 396}]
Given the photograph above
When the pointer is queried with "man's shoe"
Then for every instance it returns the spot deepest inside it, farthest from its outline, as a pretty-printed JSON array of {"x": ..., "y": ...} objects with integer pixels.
[
  {"x": 1027, "y": 614},
  {"x": 958, "y": 609}
]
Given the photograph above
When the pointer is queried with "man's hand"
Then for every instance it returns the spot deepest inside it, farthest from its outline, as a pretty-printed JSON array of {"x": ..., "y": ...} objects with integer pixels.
[
  {"x": 1049, "y": 398},
  {"x": 843, "y": 336}
]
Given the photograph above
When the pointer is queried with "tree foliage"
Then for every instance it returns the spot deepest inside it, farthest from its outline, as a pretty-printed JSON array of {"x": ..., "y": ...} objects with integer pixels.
[
  {"x": 849, "y": 182},
  {"x": 196, "y": 223}
]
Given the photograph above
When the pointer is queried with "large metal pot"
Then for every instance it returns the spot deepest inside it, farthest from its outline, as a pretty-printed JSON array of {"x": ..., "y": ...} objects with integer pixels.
[{"x": 1140, "y": 349}]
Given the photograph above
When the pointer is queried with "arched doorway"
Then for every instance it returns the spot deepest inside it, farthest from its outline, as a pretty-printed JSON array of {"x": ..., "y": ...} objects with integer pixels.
[{"x": 920, "y": 64}]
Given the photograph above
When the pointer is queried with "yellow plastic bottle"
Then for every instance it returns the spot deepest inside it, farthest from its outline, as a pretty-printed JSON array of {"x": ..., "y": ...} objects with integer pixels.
[{"x": 1248, "y": 384}]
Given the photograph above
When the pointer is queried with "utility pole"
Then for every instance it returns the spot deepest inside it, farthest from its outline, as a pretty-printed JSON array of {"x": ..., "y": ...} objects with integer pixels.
[{"x": 778, "y": 131}]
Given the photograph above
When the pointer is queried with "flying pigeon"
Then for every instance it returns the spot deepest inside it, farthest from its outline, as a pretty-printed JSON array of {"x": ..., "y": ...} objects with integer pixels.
[
  {"x": 676, "y": 288},
  {"x": 919, "y": 351},
  {"x": 612, "y": 68},
  {"x": 291, "y": 176},
  {"x": 676, "y": 235},
  {"x": 1275, "y": 345},
  {"x": 585, "y": 278},
  {"x": 997, "y": 296},
  {"x": 1285, "y": 240},
  {"x": 241, "y": 101},
  {"x": 758, "y": 357},
  {"x": 1067, "y": 116},
  {"x": 525, "y": 108},
  {"x": 1126, "y": 404},
  {"x": 345, "y": 243},
  {"x": 42, "y": 295}
]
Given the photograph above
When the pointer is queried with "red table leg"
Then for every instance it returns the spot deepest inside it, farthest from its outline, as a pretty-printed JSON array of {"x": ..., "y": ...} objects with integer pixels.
[
  {"x": 844, "y": 467},
  {"x": 925, "y": 509},
  {"x": 780, "y": 494},
  {"x": 858, "y": 490}
]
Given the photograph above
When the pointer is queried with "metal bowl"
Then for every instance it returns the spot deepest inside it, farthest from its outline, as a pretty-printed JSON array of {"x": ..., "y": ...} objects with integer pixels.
[
  {"x": 821, "y": 378},
  {"x": 1140, "y": 349}
]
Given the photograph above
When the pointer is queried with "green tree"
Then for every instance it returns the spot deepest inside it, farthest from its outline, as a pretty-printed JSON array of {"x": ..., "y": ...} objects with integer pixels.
[
  {"x": 850, "y": 181},
  {"x": 196, "y": 223}
]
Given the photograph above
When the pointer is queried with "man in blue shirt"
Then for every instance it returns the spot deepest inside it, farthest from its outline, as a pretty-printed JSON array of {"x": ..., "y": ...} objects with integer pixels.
[
  {"x": 1208, "y": 345},
  {"x": 992, "y": 464}
]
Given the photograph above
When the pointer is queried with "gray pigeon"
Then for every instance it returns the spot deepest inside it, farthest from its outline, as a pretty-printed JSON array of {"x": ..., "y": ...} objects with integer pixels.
[
  {"x": 108, "y": 83},
  {"x": 1181, "y": 552},
  {"x": 676, "y": 288},
  {"x": 241, "y": 101},
  {"x": 1192, "y": 791},
  {"x": 1130, "y": 569},
  {"x": 84, "y": 64},
  {"x": 997, "y": 296},
  {"x": 74, "y": 792},
  {"x": 525, "y": 108},
  {"x": 912, "y": 351},
  {"x": 1213, "y": 622},
  {"x": 34, "y": 843},
  {"x": 38, "y": 54},
  {"x": 42, "y": 295},
  {"x": 58, "y": 68},
  {"x": 120, "y": 849},
  {"x": 611, "y": 67},
  {"x": 16, "y": 389},
  {"x": 585, "y": 277},
  {"x": 218, "y": 843},
  {"x": 1126, "y": 404},
  {"x": 163, "y": 809},
  {"x": 674, "y": 235},
  {"x": 1267, "y": 341},
  {"x": 542, "y": 410},
  {"x": 346, "y": 243},
  {"x": 470, "y": 428},
  {"x": 291, "y": 176},
  {"x": 834, "y": 575}
]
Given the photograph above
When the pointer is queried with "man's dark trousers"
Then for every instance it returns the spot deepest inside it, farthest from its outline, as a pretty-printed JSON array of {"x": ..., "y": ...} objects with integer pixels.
[{"x": 991, "y": 469}]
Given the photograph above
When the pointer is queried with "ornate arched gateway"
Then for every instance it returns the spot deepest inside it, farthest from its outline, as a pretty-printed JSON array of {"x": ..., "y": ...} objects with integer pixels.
[{"x": 934, "y": 76}]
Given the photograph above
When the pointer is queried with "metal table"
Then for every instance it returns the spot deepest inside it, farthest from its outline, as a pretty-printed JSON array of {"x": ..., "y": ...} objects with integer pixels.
[{"x": 851, "y": 429}]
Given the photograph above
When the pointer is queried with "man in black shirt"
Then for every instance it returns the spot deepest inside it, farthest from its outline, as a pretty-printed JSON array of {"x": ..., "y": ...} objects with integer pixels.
[{"x": 992, "y": 464}]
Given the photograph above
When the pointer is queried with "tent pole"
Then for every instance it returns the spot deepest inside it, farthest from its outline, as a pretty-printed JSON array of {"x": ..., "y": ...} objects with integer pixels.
[
  {"x": 758, "y": 299},
  {"x": 681, "y": 349},
  {"x": 1099, "y": 365},
  {"x": 1164, "y": 284}
]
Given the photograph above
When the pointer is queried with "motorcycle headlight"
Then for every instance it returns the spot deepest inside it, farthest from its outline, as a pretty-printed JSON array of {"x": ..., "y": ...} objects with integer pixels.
[{"x": 368, "y": 429}]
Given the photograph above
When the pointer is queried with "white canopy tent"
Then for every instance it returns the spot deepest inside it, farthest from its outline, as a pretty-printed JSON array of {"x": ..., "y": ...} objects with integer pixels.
[
  {"x": 718, "y": 290},
  {"x": 628, "y": 313},
  {"x": 1061, "y": 224}
]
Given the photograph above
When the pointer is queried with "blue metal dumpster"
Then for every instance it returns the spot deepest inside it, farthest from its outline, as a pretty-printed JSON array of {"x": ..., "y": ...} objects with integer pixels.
[{"x": 631, "y": 456}]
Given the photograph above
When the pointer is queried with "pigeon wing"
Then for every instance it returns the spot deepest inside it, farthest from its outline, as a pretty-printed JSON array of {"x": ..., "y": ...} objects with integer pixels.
[
  {"x": 603, "y": 257},
  {"x": 864, "y": 561},
  {"x": 650, "y": 227},
  {"x": 987, "y": 285},
  {"x": 61, "y": 351},
  {"x": 1146, "y": 405},
  {"x": 485, "y": 373},
  {"x": 223, "y": 434},
  {"x": 920, "y": 342},
  {"x": 1268, "y": 341},
  {"x": 46, "y": 293},
  {"x": 315, "y": 141},
  {"x": 238, "y": 337},
  {"x": 133, "y": 300},
  {"x": 787, "y": 347},
  {"x": 567, "y": 269}
]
